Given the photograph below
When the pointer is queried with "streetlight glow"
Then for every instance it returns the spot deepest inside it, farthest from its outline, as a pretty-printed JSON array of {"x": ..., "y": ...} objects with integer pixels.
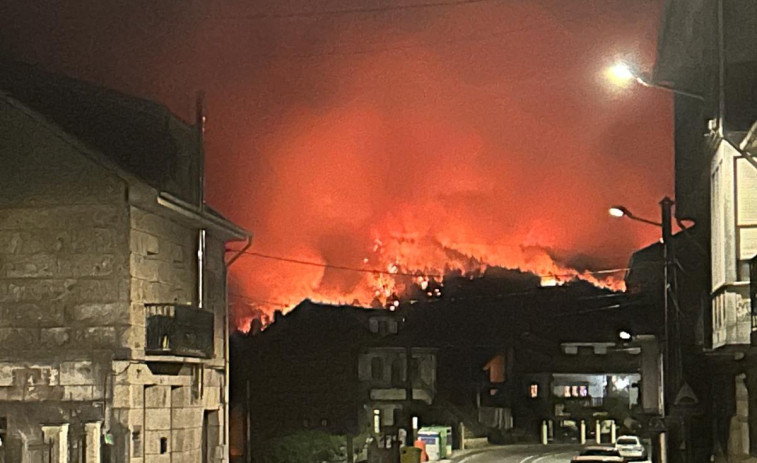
[
  {"x": 617, "y": 211},
  {"x": 620, "y": 74},
  {"x": 624, "y": 335}
]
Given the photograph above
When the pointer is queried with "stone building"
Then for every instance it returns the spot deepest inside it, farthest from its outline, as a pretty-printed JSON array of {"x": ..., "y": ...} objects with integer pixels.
[
  {"x": 113, "y": 322},
  {"x": 341, "y": 370},
  {"x": 707, "y": 58}
]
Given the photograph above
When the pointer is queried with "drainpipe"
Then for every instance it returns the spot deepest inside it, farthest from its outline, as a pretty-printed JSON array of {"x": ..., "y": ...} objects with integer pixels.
[
  {"x": 226, "y": 349},
  {"x": 201, "y": 235}
]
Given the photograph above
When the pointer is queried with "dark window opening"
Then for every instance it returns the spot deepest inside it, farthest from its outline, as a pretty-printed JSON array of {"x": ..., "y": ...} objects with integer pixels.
[
  {"x": 163, "y": 445},
  {"x": 397, "y": 372},
  {"x": 377, "y": 368}
]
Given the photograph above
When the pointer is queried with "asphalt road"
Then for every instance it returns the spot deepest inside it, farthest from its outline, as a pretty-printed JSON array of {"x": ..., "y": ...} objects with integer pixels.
[{"x": 523, "y": 454}]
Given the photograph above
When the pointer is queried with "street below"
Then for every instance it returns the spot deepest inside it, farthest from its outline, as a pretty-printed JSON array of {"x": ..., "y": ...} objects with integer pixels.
[{"x": 521, "y": 454}]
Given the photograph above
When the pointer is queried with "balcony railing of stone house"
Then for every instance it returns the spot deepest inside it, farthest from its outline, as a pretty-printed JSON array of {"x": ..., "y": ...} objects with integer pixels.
[{"x": 180, "y": 330}]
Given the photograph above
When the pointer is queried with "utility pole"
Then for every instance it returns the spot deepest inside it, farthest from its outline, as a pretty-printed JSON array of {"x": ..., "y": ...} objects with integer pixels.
[
  {"x": 669, "y": 373},
  {"x": 410, "y": 437}
]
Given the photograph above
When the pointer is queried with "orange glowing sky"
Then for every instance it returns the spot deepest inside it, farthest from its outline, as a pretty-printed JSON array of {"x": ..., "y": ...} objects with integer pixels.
[{"x": 483, "y": 129}]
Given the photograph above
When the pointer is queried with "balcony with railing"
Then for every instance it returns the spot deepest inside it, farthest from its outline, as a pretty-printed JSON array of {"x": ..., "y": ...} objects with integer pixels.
[{"x": 179, "y": 330}]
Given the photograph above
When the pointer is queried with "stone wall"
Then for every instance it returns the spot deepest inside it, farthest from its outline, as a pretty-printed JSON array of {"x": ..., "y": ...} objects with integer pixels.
[
  {"x": 79, "y": 259},
  {"x": 64, "y": 287},
  {"x": 163, "y": 267},
  {"x": 162, "y": 416}
]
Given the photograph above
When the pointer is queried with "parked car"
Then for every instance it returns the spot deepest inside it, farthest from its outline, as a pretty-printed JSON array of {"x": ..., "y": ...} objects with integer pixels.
[
  {"x": 598, "y": 454},
  {"x": 631, "y": 448}
]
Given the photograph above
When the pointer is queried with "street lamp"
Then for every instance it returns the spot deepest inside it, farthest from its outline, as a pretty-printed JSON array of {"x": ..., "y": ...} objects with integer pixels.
[
  {"x": 622, "y": 74},
  {"x": 668, "y": 376},
  {"x": 620, "y": 211}
]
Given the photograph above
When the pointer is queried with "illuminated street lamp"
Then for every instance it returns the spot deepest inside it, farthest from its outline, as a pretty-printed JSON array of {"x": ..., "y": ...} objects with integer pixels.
[
  {"x": 622, "y": 74},
  {"x": 620, "y": 211}
]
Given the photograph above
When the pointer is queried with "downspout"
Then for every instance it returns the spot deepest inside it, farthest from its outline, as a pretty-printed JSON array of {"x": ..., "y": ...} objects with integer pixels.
[{"x": 227, "y": 372}]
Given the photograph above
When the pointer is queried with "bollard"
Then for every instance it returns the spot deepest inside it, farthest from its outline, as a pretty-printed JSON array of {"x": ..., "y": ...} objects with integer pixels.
[
  {"x": 613, "y": 431},
  {"x": 544, "y": 432},
  {"x": 583, "y": 432},
  {"x": 551, "y": 429},
  {"x": 663, "y": 448},
  {"x": 598, "y": 432}
]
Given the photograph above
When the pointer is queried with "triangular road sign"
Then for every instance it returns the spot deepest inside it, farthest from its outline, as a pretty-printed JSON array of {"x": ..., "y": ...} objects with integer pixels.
[{"x": 686, "y": 396}]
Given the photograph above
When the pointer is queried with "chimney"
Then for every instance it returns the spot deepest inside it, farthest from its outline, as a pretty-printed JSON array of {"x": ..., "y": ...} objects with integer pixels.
[
  {"x": 200, "y": 119},
  {"x": 200, "y": 116},
  {"x": 255, "y": 326}
]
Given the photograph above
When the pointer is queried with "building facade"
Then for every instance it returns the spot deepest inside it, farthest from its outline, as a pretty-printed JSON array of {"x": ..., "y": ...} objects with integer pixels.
[
  {"x": 708, "y": 58},
  {"x": 113, "y": 339}
]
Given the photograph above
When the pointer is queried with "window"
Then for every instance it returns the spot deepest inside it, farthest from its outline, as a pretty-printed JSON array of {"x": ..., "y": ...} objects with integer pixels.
[
  {"x": 397, "y": 367},
  {"x": 534, "y": 390},
  {"x": 377, "y": 368},
  {"x": 383, "y": 327},
  {"x": 136, "y": 441}
]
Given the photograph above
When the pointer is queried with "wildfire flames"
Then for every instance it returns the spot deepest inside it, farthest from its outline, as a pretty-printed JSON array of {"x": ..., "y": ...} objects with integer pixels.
[
  {"x": 392, "y": 267},
  {"x": 420, "y": 161},
  {"x": 411, "y": 141}
]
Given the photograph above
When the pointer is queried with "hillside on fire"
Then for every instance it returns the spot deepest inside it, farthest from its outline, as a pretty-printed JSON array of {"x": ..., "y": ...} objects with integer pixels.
[{"x": 326, "y": 368}]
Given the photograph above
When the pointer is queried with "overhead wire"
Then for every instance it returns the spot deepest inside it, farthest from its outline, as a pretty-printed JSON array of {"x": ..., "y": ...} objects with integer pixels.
[
  {"x": 410, "y": 274},
  {"x": 337, "y": 53},
  {"x": 349, "y": 11}
]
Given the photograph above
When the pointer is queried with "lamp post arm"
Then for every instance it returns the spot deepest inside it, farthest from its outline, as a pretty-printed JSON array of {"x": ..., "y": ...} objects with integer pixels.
[
  {"x": 639, "y": 219},
  {"x": 646, "y": 83}
]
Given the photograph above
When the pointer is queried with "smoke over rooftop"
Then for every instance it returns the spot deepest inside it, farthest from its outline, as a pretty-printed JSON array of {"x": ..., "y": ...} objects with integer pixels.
[{"x": 391, "y": 137}]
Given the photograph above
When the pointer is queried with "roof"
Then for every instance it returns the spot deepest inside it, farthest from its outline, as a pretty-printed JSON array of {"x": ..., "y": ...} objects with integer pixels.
[{"x": 141, "y": 137}]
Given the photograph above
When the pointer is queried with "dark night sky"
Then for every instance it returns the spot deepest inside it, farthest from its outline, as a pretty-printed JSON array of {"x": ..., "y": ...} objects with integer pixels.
[{"x": 481, "y": 129}]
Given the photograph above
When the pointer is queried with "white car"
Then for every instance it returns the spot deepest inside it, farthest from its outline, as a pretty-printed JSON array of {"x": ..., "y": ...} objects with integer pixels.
[{"x": 631, "y": 448}]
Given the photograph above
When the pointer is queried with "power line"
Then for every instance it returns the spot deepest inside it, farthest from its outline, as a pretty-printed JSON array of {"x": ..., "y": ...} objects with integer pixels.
[
  {"x": 255, "y": 299},
  {"x": 337, "y": 267},
  {"x": 377, "y": 50},
  {"x": 351, "y": 11},
  {"x": 415, "y": 274}
]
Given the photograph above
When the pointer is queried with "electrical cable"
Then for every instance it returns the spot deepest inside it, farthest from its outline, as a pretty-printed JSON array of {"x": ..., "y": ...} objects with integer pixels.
[
  {"x": 352, "y": 11},
  {"x": 413, "y": 274}
]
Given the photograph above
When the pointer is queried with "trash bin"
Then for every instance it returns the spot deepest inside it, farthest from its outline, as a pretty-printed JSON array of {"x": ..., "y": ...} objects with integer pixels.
[
  {"x": 435, "y": 438},
  {"x": 410, "y": 455}
]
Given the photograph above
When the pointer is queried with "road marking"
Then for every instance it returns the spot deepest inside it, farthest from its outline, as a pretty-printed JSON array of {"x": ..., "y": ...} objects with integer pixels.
[
  {"x": 469, "y": 457},
  {"x": 526, "y": 459},
  {"x": 551, "y": 454}
]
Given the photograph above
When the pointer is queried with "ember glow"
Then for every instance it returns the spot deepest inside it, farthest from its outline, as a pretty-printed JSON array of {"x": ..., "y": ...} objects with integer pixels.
[{"x": 411, "y": 141}]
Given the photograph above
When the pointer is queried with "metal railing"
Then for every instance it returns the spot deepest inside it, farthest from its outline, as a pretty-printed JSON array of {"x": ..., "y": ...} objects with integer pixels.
[{"x": 180, "y": 330}]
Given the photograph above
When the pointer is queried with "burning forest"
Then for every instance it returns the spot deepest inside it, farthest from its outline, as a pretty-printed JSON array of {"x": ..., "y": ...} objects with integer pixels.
[{"x": 369, "y": 152}]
